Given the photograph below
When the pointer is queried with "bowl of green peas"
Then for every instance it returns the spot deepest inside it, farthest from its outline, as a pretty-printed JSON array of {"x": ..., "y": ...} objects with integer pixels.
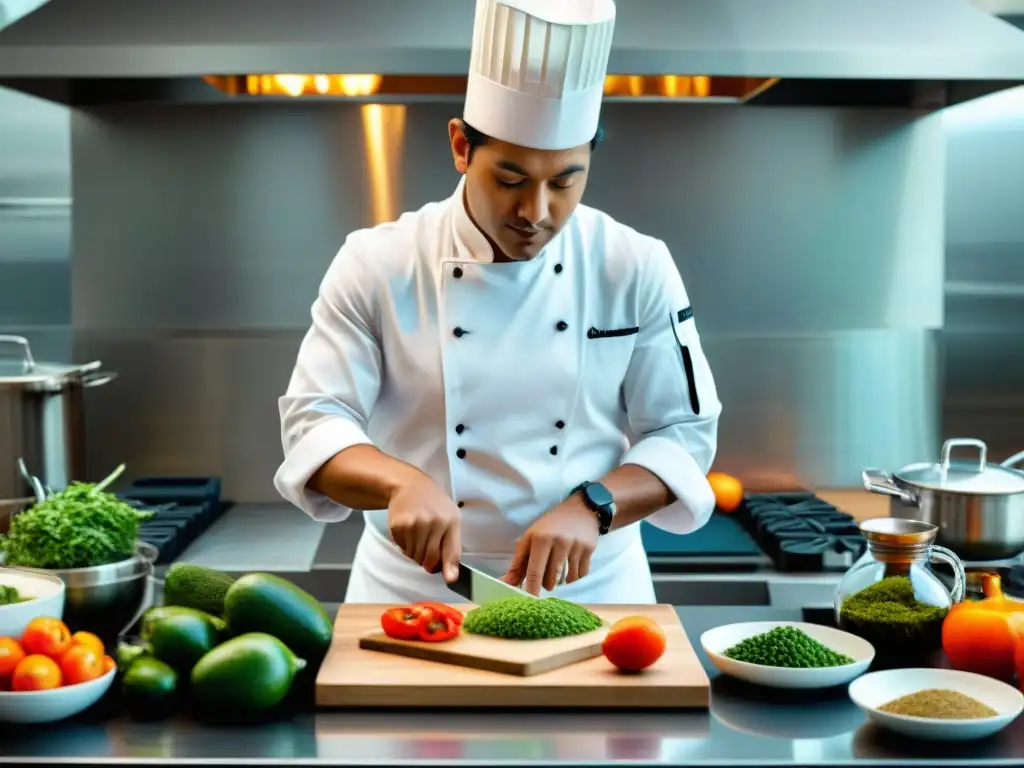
[{"x": 787, "y": 654}]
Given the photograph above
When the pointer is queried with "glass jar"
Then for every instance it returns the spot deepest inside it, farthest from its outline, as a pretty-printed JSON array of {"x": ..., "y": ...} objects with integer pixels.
[{"x": 892, "y": 598}]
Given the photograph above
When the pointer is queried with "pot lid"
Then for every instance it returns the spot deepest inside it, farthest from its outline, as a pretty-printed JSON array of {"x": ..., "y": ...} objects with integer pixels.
[
  {"x": 964, "y": 475},
  {"x": 19, "y": 367}
]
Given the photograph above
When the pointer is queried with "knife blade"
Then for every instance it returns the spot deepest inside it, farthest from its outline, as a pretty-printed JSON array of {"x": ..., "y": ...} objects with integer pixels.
[{"x": 478, "y": 586}]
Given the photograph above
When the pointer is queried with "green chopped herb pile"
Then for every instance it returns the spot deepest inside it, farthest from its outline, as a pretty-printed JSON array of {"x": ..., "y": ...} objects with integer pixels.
[
  {"x": 526, "y": 618},
  {"x": 786, "y": 647},
  {"x": 9, "y": 595},
  {"x": 889, "y": 616},
  {"x": 80, "y": 527}
]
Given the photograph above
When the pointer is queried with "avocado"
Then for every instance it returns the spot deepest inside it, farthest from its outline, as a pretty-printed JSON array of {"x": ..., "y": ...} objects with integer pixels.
[
  {"x": 160, "y": 612},
  {"x": 195, "y": 586},
  {"x": 182, "y": 639},
  {"x": 253, "y": 671},
  {"x": 149, "y": 687},
  {"x": 262, "y": 602}
]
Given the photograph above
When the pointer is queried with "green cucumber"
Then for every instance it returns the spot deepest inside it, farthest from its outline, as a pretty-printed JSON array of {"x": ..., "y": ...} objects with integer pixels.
[
  {"x": 251, "y": 672},
  {"x": 262, "y": 602}
]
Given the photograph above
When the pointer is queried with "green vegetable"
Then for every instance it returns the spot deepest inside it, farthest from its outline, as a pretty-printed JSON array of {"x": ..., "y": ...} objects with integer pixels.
[
  {"x": 10, "y": 595},
  {"x": 261, "y": 602},
  {"x": 80, "y": 527},
  {"x": 127, "y": 654},
  {"x": 154, "y": 615},
  {"x": 197, "y": 587},
  {"x": 527, "y": 618},
  {"x": 889, "y": 616},
  {"x": 149, "y": 687},
  {"x": 182, "y": 639},
  {"x": 786, "y": 647},
  {"x": 254, "y": 671}
]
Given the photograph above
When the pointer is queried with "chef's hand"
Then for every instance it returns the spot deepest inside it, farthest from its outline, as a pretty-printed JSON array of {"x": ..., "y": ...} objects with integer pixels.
[
  {"x": 568, "y": 532},
  {"x": 426, "y": 526}
]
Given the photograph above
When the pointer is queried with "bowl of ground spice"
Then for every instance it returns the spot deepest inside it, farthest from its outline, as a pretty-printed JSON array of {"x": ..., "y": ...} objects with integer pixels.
[
  {"x": 937, "y": 704},
  {"x": 787, "y": 654}
]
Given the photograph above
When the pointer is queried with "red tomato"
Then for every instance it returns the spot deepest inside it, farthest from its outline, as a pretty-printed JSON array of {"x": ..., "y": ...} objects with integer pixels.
[
  {"x": 80, "y": 665},
  {"x": 403, "y": 623},
  {"x": 11, "y": 653},
  {"x": 108, "y": 664},
  {"x": 46, "y": 636},
  {"x": 634, "y": 643},
  {"x": 454, "y": 613},
  {"x": 89, "y": 640},
  {"x": 438, "y": 627},
  {"x": 36, "y": 673}
]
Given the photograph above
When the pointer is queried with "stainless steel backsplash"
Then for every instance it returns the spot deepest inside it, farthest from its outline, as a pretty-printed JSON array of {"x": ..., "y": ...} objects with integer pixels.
[{"x": 811, "y": 242}]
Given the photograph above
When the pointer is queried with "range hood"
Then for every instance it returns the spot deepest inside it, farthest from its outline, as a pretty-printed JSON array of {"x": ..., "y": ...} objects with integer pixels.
[{"x": 918, "y": 53}]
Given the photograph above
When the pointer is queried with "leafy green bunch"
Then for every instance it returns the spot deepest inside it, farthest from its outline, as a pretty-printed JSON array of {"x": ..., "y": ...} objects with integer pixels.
[{"x": 80, "y": 527}]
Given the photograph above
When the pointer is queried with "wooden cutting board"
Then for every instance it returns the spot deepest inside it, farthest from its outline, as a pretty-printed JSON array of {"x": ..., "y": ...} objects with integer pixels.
[
  {"x": 510, "y": 657},
  {"x": 353, "y": 676}
]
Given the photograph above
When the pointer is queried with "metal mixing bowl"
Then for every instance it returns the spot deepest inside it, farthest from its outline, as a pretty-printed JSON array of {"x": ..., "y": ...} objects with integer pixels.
[{"x": 107, "y": 599}]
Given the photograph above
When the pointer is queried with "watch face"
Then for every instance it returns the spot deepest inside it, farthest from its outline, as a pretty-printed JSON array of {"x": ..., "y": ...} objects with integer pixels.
[{"x": 599, "y": 495}]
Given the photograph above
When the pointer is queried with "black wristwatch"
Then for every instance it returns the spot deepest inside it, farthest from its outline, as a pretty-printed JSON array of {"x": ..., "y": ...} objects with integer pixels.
[{"x": 599, "y": 499}]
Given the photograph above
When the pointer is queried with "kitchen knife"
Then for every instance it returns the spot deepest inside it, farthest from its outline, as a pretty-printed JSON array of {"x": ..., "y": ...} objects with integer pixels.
[{"x": 478, "y": 586}]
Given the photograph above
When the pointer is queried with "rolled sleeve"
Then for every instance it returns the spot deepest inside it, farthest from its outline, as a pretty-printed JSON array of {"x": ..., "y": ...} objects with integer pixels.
[
  {"x": 334, "y": 386},
  {"x": 671, "y": 398}
]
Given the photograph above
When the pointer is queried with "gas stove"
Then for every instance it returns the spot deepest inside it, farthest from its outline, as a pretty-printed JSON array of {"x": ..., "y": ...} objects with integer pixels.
[{"x": 183, "y": 508}]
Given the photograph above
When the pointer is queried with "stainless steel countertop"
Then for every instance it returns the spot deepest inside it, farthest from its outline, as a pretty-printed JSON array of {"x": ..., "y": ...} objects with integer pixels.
[{"x": 745, "y": 726}]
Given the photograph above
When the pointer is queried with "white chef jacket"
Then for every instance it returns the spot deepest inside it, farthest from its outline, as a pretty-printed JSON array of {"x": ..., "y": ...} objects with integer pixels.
[{"x": 507, "y": 383}]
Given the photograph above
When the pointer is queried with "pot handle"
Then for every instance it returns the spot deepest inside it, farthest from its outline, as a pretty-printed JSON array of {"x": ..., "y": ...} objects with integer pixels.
[
  {"x": 97, "y": 379},
  {"x": 949, "y": 445},
  {"x": 22, "y": 342},
  {"x": 944, "y": 555},
  {"x": 880, "y": 481},
  {"x": 1017, "y": 458}
]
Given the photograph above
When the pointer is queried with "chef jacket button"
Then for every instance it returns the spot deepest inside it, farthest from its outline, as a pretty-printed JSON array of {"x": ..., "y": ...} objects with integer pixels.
[
  {"x": 558, "y": 269},
  {"x": 461, "y": 453},
  {"x": 561, "y": 325},
  {"x": 460, "y": 428},
  {"x": 457, "y": 272},
  {"x": 461, "y": 504},
  {"x": 459, "y": 333},
  {"x": 560, "y": 424},
  {"x": 554, "y": 450}
]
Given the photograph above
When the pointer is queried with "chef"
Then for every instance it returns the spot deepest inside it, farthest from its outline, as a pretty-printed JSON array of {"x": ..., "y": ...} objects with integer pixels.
[{"x": 506, "y": 375}]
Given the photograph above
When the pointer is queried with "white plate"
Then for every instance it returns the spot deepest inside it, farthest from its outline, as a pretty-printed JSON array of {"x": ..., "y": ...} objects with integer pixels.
[
  {"x": 879, "y": 688},
  {"x": 46, "y": 591},
  {"x": 719, "y": 640},
  {"x": 54, "y": 704}
]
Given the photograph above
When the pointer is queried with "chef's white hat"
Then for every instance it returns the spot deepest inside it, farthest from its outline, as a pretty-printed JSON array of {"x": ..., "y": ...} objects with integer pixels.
[{"x": 537, "y": 70}]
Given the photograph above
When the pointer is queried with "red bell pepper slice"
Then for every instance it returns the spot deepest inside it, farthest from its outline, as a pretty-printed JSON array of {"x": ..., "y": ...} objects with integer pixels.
[
  {"x": 403, "y": 623},
  {"x": 438, "y": 628}
]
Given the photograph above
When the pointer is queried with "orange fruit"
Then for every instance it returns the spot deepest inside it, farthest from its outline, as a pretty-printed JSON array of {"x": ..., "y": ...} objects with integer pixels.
[
  {"x": 11, "y": 653},
  {"x": 80, "y": 665},
  {"x": 108, "y": 664},
  {"x": 46, "y": 636},
  {"x": 634, "y": 643},
  {"x": 728, "y": 491},
  {"x": 88, "y": 640},
  {"x": 36, "y": 673}
]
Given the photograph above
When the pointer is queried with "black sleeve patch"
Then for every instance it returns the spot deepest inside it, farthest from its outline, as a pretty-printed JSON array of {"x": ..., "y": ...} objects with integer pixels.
[{"x": 684, "y": 314}]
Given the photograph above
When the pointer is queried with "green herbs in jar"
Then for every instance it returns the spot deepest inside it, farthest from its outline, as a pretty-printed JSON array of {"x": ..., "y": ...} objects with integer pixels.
[
  {"x": 890, "y": 617},
  {"x": 786, "y": 647}
]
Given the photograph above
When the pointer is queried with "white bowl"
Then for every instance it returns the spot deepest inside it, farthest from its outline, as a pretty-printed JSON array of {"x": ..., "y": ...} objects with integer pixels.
[
  {"x": 54, "y": 704},
  {"x": 46, "y": 591},
  {"x": 720, "y": 639},
  {"x": 879, "y": 688}
]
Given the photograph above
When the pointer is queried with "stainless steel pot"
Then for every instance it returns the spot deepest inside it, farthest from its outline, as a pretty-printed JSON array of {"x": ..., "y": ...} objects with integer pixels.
[
  {"x": 42, "y": 418},
  {"x": 977, "y": 507}
]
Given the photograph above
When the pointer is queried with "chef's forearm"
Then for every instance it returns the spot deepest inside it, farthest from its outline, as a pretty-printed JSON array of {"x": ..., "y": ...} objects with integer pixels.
[
  {"x": 362, "y": 477},
  {"x": 638, "y": 494}
]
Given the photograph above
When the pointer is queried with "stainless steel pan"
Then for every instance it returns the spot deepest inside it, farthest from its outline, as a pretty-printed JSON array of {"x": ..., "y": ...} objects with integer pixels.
[{"x": 977, "y": 507}]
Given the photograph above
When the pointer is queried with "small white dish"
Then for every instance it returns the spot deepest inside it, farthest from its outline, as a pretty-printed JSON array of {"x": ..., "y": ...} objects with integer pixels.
[
  {"x": 46, "y": 591},
  {"x": 879, "y": 688},
  {"x": 720, "y": 639},
  {"x": 54, "y": 704}
]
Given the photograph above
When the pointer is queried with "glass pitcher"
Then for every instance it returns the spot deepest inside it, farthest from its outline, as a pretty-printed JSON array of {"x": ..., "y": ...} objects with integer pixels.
[{"x": 891, "y": 596}]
